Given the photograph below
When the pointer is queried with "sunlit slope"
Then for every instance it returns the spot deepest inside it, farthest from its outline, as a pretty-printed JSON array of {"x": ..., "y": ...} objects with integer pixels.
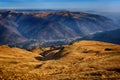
[
  {"x": 85, "y": 48},
  {"x": 15, "y": 62},
  {"x": 83, "y": 60}
]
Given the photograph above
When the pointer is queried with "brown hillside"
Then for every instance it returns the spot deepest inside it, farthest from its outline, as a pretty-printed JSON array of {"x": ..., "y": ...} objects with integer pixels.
[{"x": 84, "y": 60}]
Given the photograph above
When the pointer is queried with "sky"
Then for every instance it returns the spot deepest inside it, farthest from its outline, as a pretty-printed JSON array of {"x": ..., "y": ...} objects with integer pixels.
[{"x": 101, "y": 5}]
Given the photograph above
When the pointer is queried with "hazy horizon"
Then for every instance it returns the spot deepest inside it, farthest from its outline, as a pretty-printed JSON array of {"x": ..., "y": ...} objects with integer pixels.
[{"x": 76, "y": 5}]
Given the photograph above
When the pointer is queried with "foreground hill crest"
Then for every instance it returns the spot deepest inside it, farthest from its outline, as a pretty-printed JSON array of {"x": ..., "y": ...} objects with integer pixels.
[{"x": 80, "y": 60}]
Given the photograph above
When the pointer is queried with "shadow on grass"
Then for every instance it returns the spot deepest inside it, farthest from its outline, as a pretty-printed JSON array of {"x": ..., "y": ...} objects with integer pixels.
[
  {"x": 114, "y": 69},
  {"x": 51, "y": 55},
  {"x": 38, "y": 66}
]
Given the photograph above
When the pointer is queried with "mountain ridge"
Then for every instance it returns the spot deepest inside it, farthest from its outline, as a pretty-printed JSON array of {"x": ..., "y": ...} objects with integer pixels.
[{"x": 46, "y": 28}]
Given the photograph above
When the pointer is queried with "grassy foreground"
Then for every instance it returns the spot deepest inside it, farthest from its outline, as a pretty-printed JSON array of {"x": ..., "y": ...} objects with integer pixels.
[{"x": 83, "y": 60}]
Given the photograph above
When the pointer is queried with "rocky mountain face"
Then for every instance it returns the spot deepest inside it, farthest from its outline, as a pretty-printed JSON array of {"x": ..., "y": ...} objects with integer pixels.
[{"x": 49, "y": 27}]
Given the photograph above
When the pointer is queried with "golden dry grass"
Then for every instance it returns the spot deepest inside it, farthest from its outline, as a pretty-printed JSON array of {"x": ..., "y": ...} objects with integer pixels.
[{"x": 84, "y": 60}]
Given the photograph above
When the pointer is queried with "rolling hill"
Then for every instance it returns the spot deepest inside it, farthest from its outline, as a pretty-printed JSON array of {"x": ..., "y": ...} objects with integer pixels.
[{"x": 87, "y": 60}]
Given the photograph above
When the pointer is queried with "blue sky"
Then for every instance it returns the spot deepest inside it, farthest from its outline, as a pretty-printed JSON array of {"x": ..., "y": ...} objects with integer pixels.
[{"x": 105, "y": 5}]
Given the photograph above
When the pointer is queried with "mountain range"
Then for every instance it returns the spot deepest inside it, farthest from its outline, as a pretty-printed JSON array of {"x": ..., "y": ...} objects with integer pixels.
[{"x": 26, "y": 29}]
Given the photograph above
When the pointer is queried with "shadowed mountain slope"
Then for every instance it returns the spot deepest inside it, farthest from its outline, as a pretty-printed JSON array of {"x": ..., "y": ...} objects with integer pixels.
[
  {"x": 108, "y": 36},
  {"x": 50, "y": 27},
  {"x": 9, "y": 33}
]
